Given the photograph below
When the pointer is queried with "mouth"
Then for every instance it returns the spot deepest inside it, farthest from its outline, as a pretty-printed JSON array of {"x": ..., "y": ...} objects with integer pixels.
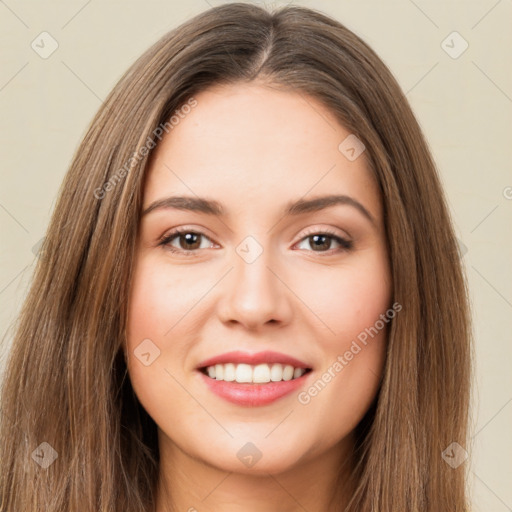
[
  {"x": 253, "y": 374},
  {"x": 253, "y": 379},
  {"x": 253, "y": 368}
]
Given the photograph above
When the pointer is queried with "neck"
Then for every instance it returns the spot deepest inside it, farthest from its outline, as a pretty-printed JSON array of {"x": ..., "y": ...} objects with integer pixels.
[{"x": 321, "y": 484}]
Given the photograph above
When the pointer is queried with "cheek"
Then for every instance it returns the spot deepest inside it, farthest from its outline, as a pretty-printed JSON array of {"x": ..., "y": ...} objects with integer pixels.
[
  {"x": 157, "y": 316},
  {"x": 350, "y": 299},
  {"x": 354, "y": 305},
  {"x": 161, "y": 298},
  {"x": 154, "y": 311}
]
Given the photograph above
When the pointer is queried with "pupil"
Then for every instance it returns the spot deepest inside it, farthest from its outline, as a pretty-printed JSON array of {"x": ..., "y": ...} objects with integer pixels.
[
  {"x": 190, "y": 238},
  {"x": 324, "y": 245},
  {"x": 319, "y": 241}
]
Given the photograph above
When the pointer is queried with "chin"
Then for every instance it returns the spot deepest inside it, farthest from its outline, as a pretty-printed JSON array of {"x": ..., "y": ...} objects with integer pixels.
[
  {"x": 255, "y": 458},
  {"x": 273, "y": 465}
]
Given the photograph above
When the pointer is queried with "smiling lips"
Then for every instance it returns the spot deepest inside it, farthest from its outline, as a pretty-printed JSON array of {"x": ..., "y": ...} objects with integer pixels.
[
  {"x": 253, "y": 379},
  {"x": 259, "y": 374},
  {"x": 266, "y": 357}
]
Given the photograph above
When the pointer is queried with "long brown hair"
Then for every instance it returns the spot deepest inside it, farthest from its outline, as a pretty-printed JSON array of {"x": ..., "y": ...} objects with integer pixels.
[{"x": 73, "y": 434}]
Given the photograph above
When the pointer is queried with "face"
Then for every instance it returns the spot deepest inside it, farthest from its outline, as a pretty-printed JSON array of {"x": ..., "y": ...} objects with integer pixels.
[{"x": 306, "y": 287}]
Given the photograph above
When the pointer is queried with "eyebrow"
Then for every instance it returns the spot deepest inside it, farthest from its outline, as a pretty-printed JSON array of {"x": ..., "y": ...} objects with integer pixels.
[{"x": 212, "y": 207}]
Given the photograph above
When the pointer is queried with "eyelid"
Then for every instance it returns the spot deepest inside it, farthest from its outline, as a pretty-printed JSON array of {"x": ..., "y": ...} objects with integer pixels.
[
  {"x": 186, "y": 228},
  {"x": 166, "y": 238},
  {"x": 325, "y": 231},
  {"x": 345, "y": 242}
]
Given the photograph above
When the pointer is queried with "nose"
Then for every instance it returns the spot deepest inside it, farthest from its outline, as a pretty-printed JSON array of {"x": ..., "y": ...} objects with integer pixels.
[{"x": 255, "y": 294}]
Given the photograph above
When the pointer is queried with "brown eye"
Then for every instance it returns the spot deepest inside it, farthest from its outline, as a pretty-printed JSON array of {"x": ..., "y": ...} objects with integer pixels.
[
  {"x": 322, "y": 242},
  {"x": 188, "y": 241}
]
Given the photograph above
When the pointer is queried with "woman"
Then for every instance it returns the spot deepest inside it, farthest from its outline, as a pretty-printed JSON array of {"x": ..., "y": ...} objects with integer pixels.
[{"x": 250, "y": 296}]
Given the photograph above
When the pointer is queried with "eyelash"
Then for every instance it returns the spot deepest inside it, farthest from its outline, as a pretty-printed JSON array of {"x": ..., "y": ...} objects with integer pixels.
[{"x": 346, "y": 245}]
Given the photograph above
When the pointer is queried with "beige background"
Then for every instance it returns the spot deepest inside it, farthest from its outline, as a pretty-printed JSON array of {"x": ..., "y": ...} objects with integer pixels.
[{"x": 464, "y": 105}]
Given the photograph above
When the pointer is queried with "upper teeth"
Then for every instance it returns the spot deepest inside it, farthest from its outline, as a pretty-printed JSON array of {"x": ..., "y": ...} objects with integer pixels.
[{"x": 259, "y": 373}]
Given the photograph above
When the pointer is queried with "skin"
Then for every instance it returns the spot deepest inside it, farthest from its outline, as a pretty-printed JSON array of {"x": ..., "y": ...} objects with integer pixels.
[{"x": 253, "y": 149}]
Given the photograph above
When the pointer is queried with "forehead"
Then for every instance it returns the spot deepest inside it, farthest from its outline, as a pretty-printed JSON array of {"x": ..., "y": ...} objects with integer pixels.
[{"x": 251, "y": 146}]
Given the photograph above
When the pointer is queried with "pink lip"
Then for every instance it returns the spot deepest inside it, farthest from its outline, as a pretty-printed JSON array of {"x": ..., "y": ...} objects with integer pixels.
[
  {"x": 268, "y": 357},
  {"x": 253, "y": 395}
]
